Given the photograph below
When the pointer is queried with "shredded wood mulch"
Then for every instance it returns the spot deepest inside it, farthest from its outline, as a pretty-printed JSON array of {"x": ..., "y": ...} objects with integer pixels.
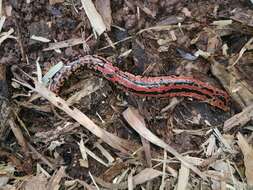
[{"x": 96, "y": 131}]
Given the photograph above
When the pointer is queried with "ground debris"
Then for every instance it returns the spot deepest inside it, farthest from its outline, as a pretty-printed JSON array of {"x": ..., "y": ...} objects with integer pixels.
[{"x": 94, "y": 133}]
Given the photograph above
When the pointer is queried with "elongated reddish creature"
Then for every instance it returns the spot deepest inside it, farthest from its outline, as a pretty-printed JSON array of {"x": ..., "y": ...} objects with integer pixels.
[{"x": 164, "y": 86}]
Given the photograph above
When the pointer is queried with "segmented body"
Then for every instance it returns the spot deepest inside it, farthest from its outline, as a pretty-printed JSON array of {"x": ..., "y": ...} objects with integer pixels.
[{"x": 164, "y": 86}]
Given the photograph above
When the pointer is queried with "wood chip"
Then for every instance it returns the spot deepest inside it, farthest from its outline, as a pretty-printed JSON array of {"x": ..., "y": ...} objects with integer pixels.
[
  {"x": 144, "y": 176},
  {"x": 222, "y": 22},
  {"x": 19, "y": 136},
  {"x": 84, "y": 161},
  {"x": 94, "y": 17},
  {"x": 38, "y": 182},
  {"x": 183, "y": 178},
  {"x": 248, "y": 157},
  {"x": 40, "y": 39},
  {"x": 232, "y": 81},
  {"x": 54, "y": 182},
  {"x": 64, "y": 44},
  {"x": 104, "y": 9},
  {"x": 239, "y": 119}
]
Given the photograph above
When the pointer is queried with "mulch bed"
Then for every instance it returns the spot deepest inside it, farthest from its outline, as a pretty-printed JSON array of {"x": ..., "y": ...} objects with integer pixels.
[{"x": 96, "y": 134}]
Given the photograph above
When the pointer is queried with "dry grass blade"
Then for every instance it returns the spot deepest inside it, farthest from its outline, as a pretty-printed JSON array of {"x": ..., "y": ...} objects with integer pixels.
[
  {"x": 115, "y": 43},
  {"x": 93, "y": 180},
  {"x": 164, "y": 171},
  {"x": 136, "y": 121},
  {"x": 40, "y": 39},
  {"x": 2, "y": 20},
  {"x": 105, "y": 153},
  {"x": 183, "y": 178},
  {"x": 84, "y": 149},
  {"x": 64, "y": 44},
  {"x": 94, "y": 17},
  {"x": 6, "y": 35},
  {"x": 130, "y": 181},
  {"x": 120, "y": 178},
  {"x": 248, "y": 157}
]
